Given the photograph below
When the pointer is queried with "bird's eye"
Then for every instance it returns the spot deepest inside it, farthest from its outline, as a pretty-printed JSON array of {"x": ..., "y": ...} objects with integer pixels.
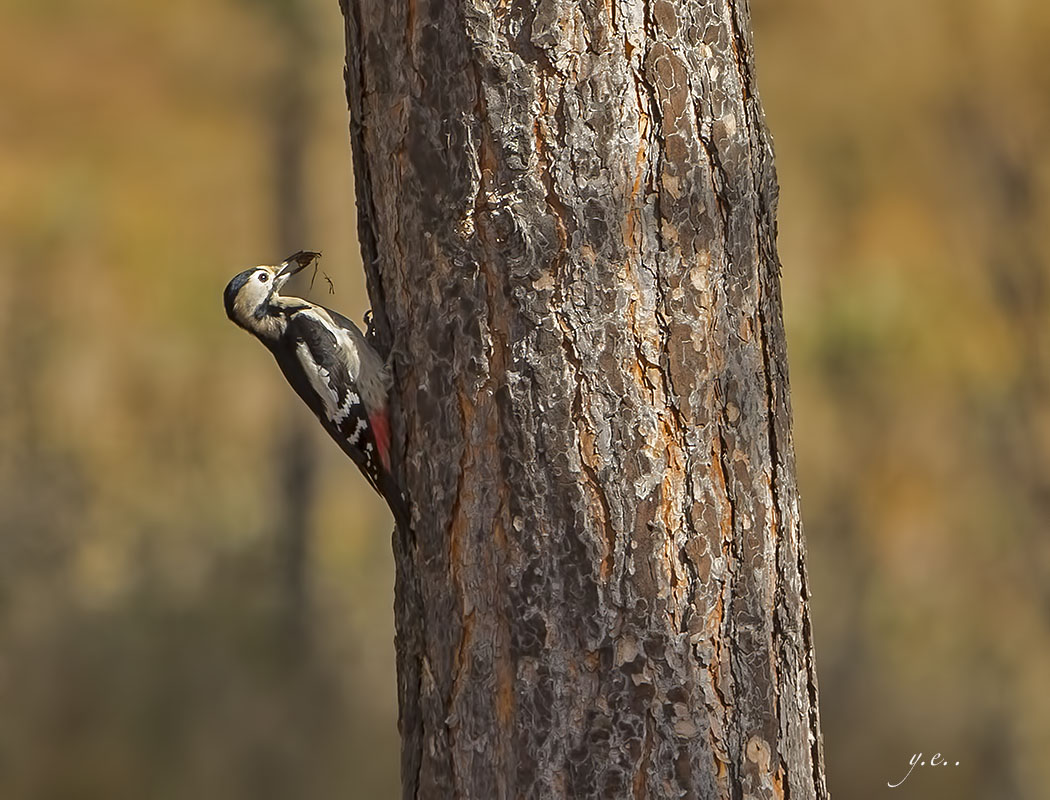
[{"x": 263, "y": 277}]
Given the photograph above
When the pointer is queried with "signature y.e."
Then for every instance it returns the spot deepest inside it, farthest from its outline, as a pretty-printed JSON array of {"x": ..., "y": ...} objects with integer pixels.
[
  {"x": 914, "y": 759},
  {"x": 935, "y": 760}
]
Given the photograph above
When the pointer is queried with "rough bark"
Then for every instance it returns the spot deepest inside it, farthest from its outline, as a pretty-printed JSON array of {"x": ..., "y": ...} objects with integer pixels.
[{"x": 567, "y": 217}]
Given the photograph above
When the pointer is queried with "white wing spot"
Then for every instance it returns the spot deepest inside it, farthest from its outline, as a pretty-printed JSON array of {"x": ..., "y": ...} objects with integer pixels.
[
  {"x": 352, "y": 399},
  {"x": 357, "y": 432}
]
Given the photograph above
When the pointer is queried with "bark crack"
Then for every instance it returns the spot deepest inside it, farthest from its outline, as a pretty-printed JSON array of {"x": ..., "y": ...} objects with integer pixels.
[{"x": 640, "y": 790}]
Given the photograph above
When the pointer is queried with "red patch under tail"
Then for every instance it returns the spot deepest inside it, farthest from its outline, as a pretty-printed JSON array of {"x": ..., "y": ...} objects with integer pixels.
[{"x": 381, "y": 432}]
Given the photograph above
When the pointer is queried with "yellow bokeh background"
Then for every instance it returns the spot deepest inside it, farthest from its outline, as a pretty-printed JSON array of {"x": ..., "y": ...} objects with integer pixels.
[{"x": 150, "y": 645}]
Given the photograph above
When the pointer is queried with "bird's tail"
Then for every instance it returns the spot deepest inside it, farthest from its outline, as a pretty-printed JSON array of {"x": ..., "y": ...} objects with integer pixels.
[{"x": 397, "y": 501}]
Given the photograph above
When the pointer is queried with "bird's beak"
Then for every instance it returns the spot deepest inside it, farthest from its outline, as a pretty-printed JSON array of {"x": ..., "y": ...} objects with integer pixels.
[{"x": 292, "y": 265}]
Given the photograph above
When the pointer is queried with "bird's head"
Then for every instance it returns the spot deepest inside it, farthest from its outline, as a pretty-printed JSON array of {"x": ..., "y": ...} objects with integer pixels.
[{"x": 249, "y": 297}]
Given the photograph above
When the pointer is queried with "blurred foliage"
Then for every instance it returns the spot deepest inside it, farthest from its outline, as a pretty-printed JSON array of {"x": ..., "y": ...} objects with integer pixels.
[
  {"x": 142, "y": 645},
  {"x": 142, "y": 652},
  {"x": 911, "y": 143}
]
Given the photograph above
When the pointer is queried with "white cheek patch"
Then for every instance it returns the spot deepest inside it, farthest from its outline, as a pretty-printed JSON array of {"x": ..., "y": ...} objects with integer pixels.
[
  {"x": 245, "y": 305},
  {"x": 251, "y": 297}
]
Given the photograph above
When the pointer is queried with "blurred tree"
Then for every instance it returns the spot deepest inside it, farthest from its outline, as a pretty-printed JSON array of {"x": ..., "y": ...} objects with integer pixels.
[
  {"x": 567, "y": 217},
  {"x": 290, "y": 117}
]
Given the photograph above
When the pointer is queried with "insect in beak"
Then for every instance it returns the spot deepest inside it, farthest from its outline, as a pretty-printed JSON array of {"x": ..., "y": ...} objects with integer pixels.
[{"x": 294, "y": 264}]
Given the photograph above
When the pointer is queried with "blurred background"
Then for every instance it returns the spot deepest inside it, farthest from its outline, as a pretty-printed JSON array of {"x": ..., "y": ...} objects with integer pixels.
[{"x": 192, "y": 604}]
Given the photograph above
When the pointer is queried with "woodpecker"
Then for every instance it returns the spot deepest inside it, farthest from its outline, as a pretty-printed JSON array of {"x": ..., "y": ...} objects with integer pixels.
[{"x": 329, "y": 363}]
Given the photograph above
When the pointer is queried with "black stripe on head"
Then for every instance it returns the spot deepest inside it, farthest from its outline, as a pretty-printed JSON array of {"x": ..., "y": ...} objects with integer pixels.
[{"x": 233, "y": 287}]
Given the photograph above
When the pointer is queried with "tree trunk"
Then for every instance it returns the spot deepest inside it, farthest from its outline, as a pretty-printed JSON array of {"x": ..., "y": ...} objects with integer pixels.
[{"x": 567, "y": 217}]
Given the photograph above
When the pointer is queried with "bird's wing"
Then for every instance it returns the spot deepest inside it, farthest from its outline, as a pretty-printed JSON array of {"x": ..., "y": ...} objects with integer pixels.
[
  {"x": 372, "y": 363},
  {"x": 324, "y": 363},
  {"x": 323, "y": 380},
  {"x": 347, "y": 325}
]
